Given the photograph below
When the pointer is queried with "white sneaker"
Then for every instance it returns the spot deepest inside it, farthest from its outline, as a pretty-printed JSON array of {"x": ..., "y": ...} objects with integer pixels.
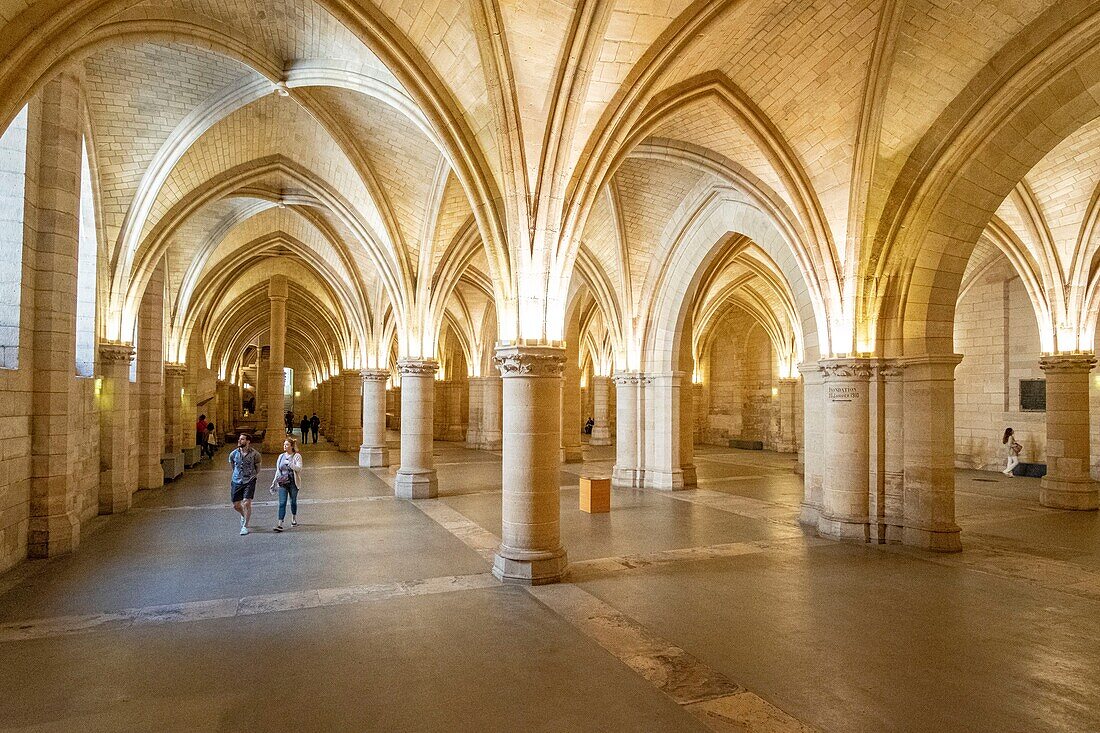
[{"x": 244, "y": 529}]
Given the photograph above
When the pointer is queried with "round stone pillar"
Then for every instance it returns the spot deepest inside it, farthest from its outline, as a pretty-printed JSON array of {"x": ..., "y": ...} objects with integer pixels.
[
  {"x": 813, "y": 452},
  {"x": 374, "y": 453},
  {"x": 530, "y": 551},
  {"x": 115, "y": 483},
  {"x": 571, "y": 422},
  {"x": 455, "y": 431},
  {"x": 276, "y": 404},
  {"x": 1068, "y": 483},
  {"x": 628, "y": 473},
  {"x": 492, "y": 394},
  {"x": 786, "y": 404},
  {"x": 351, "y": 430},
  {"x": 416, "y": 476},
  {"x": 844, "y": 505},
  {"x": 336, "y": 410},
  {"x": 601, "y": 428}
]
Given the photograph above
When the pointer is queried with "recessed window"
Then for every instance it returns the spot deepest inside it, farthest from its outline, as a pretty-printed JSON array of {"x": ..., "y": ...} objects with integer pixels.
[{"x": 13, "y": 175}]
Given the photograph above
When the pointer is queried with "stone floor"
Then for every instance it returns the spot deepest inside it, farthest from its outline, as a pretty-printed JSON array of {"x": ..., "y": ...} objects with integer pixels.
[{"x": 700, "y": 610}]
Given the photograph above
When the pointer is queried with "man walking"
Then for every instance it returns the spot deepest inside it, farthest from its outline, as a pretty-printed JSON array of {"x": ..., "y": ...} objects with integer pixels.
[
  {"x": 245, "y": 461},
  {"x": 315, "y": 426},
  {"x": 304, "y": 427}
]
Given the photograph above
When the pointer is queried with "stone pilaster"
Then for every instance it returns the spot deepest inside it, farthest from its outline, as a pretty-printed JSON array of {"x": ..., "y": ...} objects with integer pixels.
[
  {"x": 351, "y": 430},
  {"x": 844, "y": 505},
  {"x": 786, "y": 399},
  {"x": 813, "y": 461},
  {"x": 929, "y": 499},
  {"x": 326, "y": 409},
  {"x": 374, "y": 453},
  {"x": 150, "y": 367},
  {"x": 275, "y": 425},
  {"x": 416, "y": 477},
  {"x": 629, "y": 393},
  {"x": 491, "y": 413},
  {"x": 687, "y": 430},
  {"x": 225, "y": 401},
  {"x": 174, "y": 376},
  {"x": 601, "y": 427},
  {"x": 661, "y": 424},
  {"x": 55, "y": 131},
  {"x": 115, "y": 485},
  {"x": 456, "y": 429},
  {"x": 571, "y": 423},
  {"x": 474, "y": 425},
  {"x": 1068, "y": 484},
  {"x": 336, "y": 410},
  {"x": 893, "y": 467},
  {"x": 531, "y": 551}
]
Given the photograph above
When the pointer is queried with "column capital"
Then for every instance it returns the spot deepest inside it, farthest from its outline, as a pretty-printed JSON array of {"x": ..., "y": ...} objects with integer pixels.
[
  {"x": 530, "y": 361},
  {"x": 116, "y": 351},
  {"x": 846, "y": 368},
  {"x": 1067, "y": 363},
  {"x": 809, "y": 369},
  {"x": 417, "y": 367},
  {"x": 889, "y": 368},
  {"x": 930, "y": 367},
  {"x": 175, "y": 369},
  {"x": 632, "y": 378},
  {"x": 374, "y": 375}
]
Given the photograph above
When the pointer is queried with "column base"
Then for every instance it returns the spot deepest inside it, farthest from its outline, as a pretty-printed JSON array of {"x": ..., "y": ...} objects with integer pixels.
[
  {"x": 171, "y": 464},
  {"x": 627, "y": 478},
  {"x": 528, "y": 568},
  {"x": 374, "y": 456},
  {"x": 51, "y": 536},
  {"x": 193, "y": 454},
  {"x": 948, "y": 539},
  {"x": 690, "y": 477},
  {"x": 664, "y": 480},
  {"x": 119, "y": 498},
  {"x": 491, "y": 441},
  {"x": 845, "y": 530},
  {"x": 1079, "y": 495},
  {"x": 421, "y": 485},
  {"x": 895, "y": 534},
  {"x": 600, "y": 437},
  {"x": 809, "y": 515},
  {"x": 572, "y": 454},
  {"x": 473, "y": 439},
  {"x": 455, "y": 434}
]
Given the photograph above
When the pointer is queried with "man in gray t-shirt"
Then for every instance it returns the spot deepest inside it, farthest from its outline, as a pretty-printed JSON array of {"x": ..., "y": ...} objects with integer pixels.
[{"x": 245, "y": 461}]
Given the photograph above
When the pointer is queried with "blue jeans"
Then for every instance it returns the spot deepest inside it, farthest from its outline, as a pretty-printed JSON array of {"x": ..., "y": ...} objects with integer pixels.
[{"x": 290, "y": 490}]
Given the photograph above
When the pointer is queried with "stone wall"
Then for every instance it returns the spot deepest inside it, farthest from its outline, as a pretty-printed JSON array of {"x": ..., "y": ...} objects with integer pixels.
[{"x": 736, "y": 400}]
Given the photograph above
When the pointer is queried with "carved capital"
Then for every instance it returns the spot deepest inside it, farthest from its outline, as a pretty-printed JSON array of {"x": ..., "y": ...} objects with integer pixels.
[
  {"x": 1067, "y": 363},
  {"x": 890, "y": 368},
  {"x": 375, "y": 375},
  {"x": 632, "y": 378},
  {"x": 418, "y": 367},
  {"x": 530, "y": 361},
  {"x": 846, "y": 369},
  {"x": 115, "y": 351},
  {"x": 173, "y": 369}
]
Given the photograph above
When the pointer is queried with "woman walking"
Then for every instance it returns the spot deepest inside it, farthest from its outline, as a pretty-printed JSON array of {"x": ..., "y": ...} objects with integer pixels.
[
  {"x": 288, "y": 480},
  {"x": 1012, "y": 449}
]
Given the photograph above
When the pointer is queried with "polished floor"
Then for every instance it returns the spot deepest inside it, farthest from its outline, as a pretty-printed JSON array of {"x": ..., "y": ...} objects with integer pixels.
[{"x": 700, "y": 610}]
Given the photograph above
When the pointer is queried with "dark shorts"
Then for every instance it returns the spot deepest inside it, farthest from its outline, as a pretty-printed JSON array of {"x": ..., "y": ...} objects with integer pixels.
[{"x": 240, "y": 492}]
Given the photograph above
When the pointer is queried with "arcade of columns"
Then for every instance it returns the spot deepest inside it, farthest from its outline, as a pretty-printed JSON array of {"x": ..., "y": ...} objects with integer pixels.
[{"x": 595, "y": 273}]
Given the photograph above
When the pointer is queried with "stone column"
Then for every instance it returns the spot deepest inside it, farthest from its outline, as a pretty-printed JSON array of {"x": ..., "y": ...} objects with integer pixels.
[
  {"x": 374, "y": 453},
  {"x": 813, "y": 463},
  {"x": 530, "y": 551},
  {"x": 115, "y": 432},
  {"x": 477, "y": 409},
  {"x": 491, "y": 413},
  {"x": 276, "y": 425},
  {"x": 844, "y": 505},
  {"x": 336, "y": 410},
  {"x": 53, "y": 184},
  {"x": 395, "y": 417},
  {"x": 150, "y": 363},
  {"x": 786, "y": 402},
  {"x": 571, "y": 451},
  {"x": 628, "y": 472},
  {"x": 416, "y": 476},
  {"x": 601, "y": 429},
  {"x": 351, "y": 430},
  {"x": 326, "y": 409},
  {"x": 929, "y": 501},
  {"x": 893, "y": 477},
  {"x": 687, "y": 430},
  {"x": 1068, "y": 483},
  {"x": 225, "y": 402},
  {"x": 662, "y": 425},
  {"x": 174, "y": 375}
]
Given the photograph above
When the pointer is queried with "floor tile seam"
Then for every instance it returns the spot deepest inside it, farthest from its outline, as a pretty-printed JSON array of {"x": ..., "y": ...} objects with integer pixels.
[
  {"x": 643, "y": 651},
  {"x": 264, "y": 503},
  {"x": 222, "y": 608},
  {"x": 729, "y": 510},
  {"x": 994, "y": 572}
]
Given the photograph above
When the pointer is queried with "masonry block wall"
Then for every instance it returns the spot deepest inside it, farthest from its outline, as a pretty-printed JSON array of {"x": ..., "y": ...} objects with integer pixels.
[
  {"x": 737, "y": 400},
  {"x": 996, "y": 332}
]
